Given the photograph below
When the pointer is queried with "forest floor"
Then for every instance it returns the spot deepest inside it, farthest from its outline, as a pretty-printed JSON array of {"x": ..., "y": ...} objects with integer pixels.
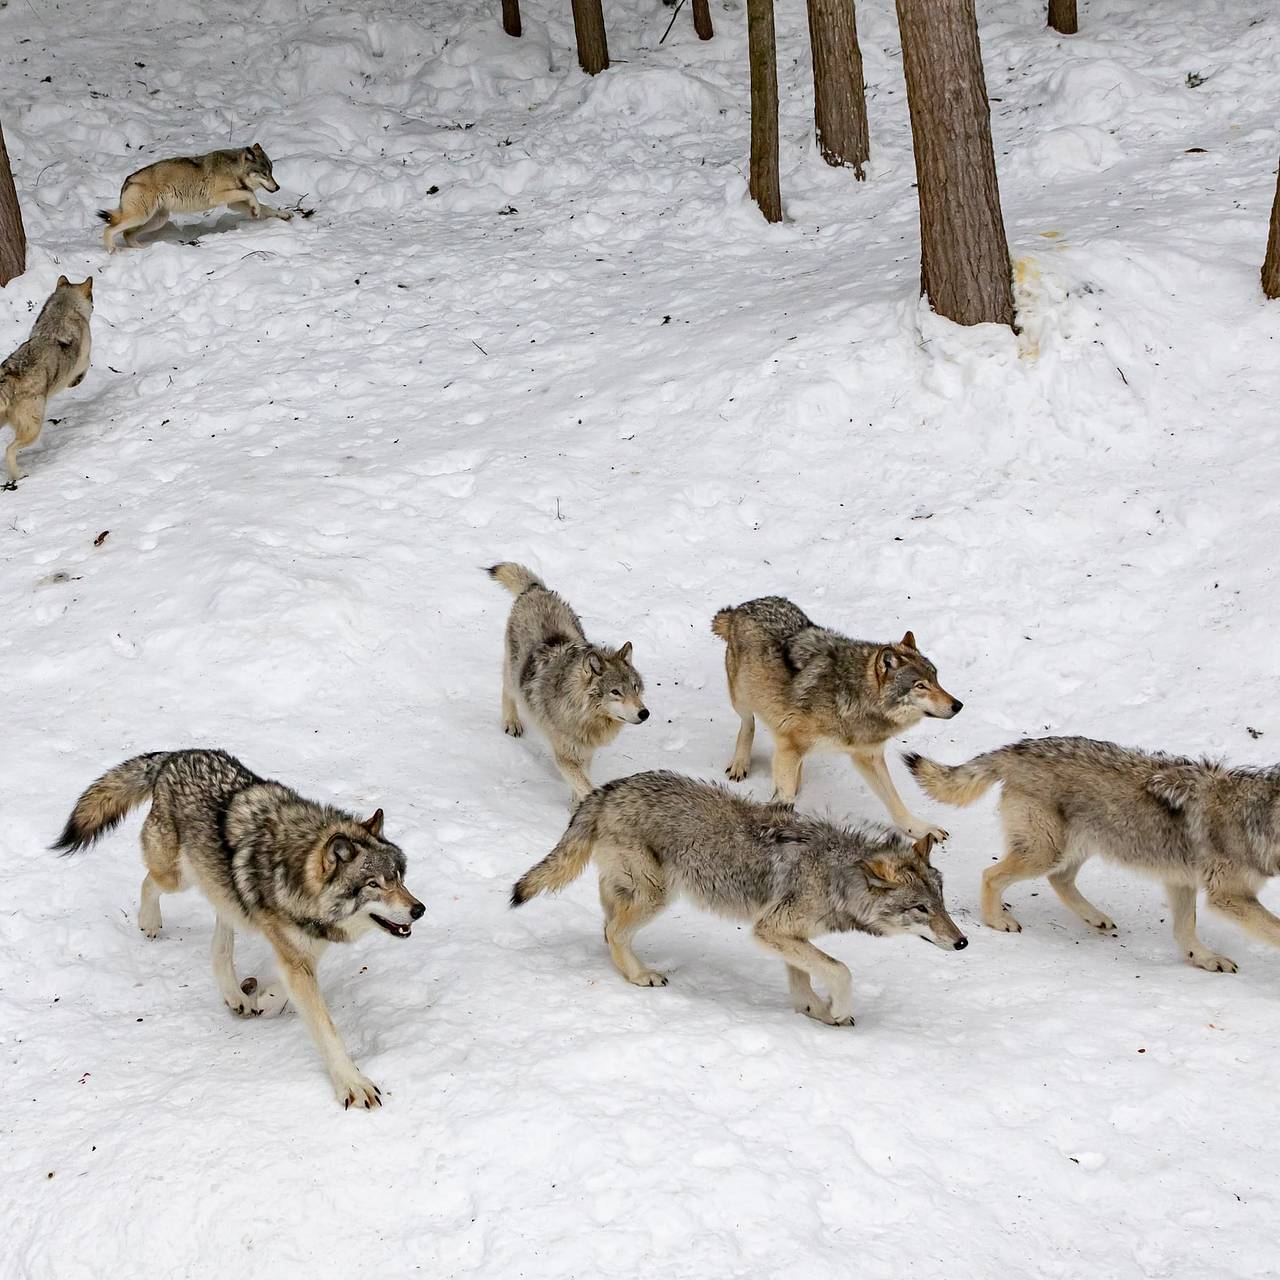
[{"x": 535, "y": 317}]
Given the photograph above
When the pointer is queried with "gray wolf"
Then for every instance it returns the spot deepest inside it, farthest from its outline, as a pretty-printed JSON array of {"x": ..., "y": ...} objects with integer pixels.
[
  {"x": 301, "y": 874},
  {"x": 53, "y": 358},
  {"x": 190, "y": 184},
  {"x": 1192, "y": 823},
  {"x": 653, "y": 835},
  {"x": 819, "y": 690},
  {"x": 578, "y": 693}
]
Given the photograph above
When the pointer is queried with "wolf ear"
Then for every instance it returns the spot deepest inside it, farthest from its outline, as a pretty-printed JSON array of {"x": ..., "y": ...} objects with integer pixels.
[
  {"x": 625, "y": 652},
  {"x": 909, "y": 642},
  {"x": 922, "y": 847},
  {"x": 374, "y": 825},
  {"x": 62, "y": 280},
  {"x": 593, "y": 664},
  {"x": 336, "y": 852},
  {"x": 886, "y": 661},
  {"x": 881, "y": 873}
]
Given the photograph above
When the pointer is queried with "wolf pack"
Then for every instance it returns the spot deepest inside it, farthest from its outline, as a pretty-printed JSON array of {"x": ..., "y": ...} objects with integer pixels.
[{"x": 305, "y": 874}]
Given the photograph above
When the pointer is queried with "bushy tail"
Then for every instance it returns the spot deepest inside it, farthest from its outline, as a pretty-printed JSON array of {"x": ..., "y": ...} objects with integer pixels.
[
  {"x": 107, "y": 215},
  {"x": 568, "y": 860},
  {"x": 721, "y": 622},
  {"x": 515, "y": 577},
  {"x": 108, "y": 800},
  {"x": 958, "y": 784}
]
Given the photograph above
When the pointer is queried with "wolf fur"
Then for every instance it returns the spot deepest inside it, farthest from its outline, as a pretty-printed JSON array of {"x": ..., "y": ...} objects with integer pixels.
[
  {"x": 301, "y": 874},
  {"x": 654, "y": 835},
  {"x": 190, "y": 184},
  {"x": 1192, "y": 823},
  {"x": 53, "y": 358},
  {"x": 819, "y": 690},
  {"x": 578, "y": 693}
]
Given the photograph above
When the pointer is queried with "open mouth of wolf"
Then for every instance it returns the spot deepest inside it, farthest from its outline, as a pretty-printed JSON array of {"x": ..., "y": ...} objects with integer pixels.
[{"x": 395, "y": 930}]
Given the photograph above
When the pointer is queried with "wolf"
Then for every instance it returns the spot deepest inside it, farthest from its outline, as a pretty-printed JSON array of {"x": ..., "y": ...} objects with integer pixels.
[
  {"x": 190, "y": 184},
  {"x": 817, "y": 689},
  {"x": 578, "y": 693},
  {"x": 53, "y": 358},
  {"x": 1194, "y": 824},
  {"x": 302, "y": 874},
  {"x": 654, "y": 834}
]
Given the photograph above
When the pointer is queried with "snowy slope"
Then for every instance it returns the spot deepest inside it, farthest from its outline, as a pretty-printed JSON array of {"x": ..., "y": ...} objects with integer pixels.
[{"x": 586, "y": 351}]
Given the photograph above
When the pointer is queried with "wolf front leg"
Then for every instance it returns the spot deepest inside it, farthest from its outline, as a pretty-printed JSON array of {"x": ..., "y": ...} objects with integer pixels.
[
  {"x": 1182, "y": 898},
  {"x": 800, "y": 953},
  {"x": 298, "y": 969},
  {"x": 788, "y": 758},
  {"x": 234, "y": 997},
  {"x": 573, "y": 768},
  {"x": 870, "y": 763}
]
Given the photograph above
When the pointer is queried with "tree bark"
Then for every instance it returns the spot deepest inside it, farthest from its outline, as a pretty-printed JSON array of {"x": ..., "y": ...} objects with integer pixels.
[
  {"x": 1271, "y": 263},
  {"x": 588, "y": 26},
  {"x": 511, "y": 17},
  {"x": 13, "y": 238},
  {"x": 839, "y": 94},
  {"x": 964, "y": 256},
  {"x": 1062, "y": 16},
  {"x": 702, "y": 19},
  {"x": 762, "y": 51}
]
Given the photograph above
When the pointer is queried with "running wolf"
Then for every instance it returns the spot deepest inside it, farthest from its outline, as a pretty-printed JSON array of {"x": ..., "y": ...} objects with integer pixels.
[
  {"x": 817, "y": 689},
  {"x": 578, "y": 693},
  {"x": 190, "y": 184},
  {"x": 301, "y": 874},
  {"x": 54, "y": 357},
  {"x": 1192, "y": 823},
  {"x": 654, "y": 834}
]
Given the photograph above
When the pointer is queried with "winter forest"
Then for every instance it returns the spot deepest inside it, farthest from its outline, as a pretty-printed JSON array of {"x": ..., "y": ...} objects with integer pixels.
[{"x": 365, "y": 912}]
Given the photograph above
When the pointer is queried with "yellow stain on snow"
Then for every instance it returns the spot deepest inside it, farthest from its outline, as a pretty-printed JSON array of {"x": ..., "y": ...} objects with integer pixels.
[{"x": 1051, "y": 235}]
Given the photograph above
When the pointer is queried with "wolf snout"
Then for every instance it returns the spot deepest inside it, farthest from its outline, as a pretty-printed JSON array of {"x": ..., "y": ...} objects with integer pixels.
[
  {"x": 642, "y": 715},
  {"x": 417, "y": 911},
  {"x": 956, "y": 706},
  {"x": 959, "y": 944}
]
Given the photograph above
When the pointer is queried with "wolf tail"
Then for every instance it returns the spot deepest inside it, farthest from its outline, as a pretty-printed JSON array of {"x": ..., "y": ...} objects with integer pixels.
[
  {"x": 568, "y": 860},
  {"x": 109, "y": 799},
  {"x": 107, "y": 215},
  {"x": 721, "y": 622},
  {"x": 515, "y": 577},
  {"x": 957, "y": 784}
]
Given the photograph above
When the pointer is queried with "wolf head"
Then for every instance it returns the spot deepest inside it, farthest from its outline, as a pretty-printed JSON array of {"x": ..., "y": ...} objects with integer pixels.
[
  {"x": 908, "y": 684},
  {"x": 83, "y": 291},
  {"x": 362, "y": 880},
  {"x": 257, "y": 169},
  {"x": 906, "y": 891},
  {"x": 615, "y": 684}
]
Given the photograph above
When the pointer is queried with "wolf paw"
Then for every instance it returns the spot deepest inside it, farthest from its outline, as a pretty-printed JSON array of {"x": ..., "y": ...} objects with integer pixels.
[
  {"x": 820, "y": 1011},
  {"x": 513, "y": 728},
  {"x": 357, "y": 1090},
  {"x": 1006, "y": 923},
  {"x": 268, "y": 1001},
  {"x": 150, "y": 922},
  {"x": 918, "y": 828},
  {"x": 1213, "y": 962},
  {"x": 1104, "y": 924},
  {"x": 737, "y": 772},
  {"x": 243, "y": 1006},
  {"x": 649, "y": 978}
]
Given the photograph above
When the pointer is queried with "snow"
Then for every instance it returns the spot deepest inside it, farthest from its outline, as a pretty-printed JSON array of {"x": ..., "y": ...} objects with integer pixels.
[{"x": 586, "y": 351}]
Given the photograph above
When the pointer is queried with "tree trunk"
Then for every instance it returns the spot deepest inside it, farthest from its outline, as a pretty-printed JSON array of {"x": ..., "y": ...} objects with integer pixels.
[
  {"x": 839, "y": 95},
  {"x": 13, "y": 239},
  {"x": 511, "y": 17},
  {"x": 588, "y": 26},
  {"x": 1271, "y": 263},
  {"x": 761, "y": 49},
  {"x": 702, "y": 19},
  {"x": 1062, "y": 16},
  {"x": 964, "y": 257}
]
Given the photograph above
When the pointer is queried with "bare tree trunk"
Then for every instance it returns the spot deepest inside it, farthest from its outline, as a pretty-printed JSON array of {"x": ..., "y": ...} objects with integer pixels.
[
  {"x": 964, "y": 256},
  {"x": 762, "y": 51},
  {"x": 839, "y": 95},
  {"x": 588, "y": 26},
  {"x": 13, "y": 239},
  {"x": 702, "y": 19},
  {"x": 1062, "y": 16},
  {"x": 1271, "y": 263},
  {"x": 511, "y": 17}
]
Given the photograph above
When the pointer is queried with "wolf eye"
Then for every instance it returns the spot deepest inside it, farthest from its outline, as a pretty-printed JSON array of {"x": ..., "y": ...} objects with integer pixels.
[
  {"x": 372, "y": 884},
  {"x": 615, "y": 693},
  {"x": 920, "y": 684},
  {"x": 921, "y": 906}
]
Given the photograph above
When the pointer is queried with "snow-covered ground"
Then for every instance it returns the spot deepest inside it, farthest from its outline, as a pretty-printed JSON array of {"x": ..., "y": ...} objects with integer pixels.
[{"x": 535, "y": 317}]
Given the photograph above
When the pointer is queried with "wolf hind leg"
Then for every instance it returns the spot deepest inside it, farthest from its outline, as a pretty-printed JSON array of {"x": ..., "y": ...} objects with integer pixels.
[
  {"x": 151, "y": 225},
  {"x": 160, "y": 853},
  {"x": 1034, "y": 846},
  {"x": 740, "y": 765},
  {"x": 511, "y": 722},
  {"x": 239, "y": 1001},
  {"x": 628, "y": 906},
  {"x": 27, "y": 421}
]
